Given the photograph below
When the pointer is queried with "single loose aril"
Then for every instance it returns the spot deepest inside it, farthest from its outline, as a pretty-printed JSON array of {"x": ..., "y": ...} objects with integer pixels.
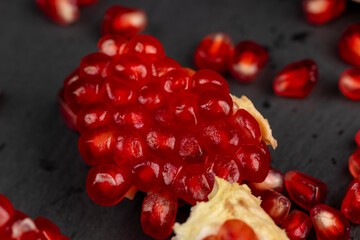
[
  {"x": 63, "y": 12},
  {"x": 305, "y": 190},
  {"x": 213, "y": 52},
  {"x": 124, "y": 21},
  {"x": 354, "y": 164},
  {"x": 323, "y": 11},
  {"x": 349, "y": 83},
  {"x": 276, "y": 205},
  {"x": 329, "y": 223},
  {"x": 349, "y": 45},
  {"x": 297, "y": 225},
  {"x": 247, "y": 60},
  {"x": 350, "y": 206},
  {"x": 273, "y": 181},
  {"x": 296, "y": 80}
]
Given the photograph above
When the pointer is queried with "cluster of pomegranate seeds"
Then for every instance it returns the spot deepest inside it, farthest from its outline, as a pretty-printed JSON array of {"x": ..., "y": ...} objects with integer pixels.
[
  {"x": 148, "y": 123},
  {"x": 323, "y": 11},
  {"x": 124, "y": 21},
  {"x": 349, "y": 84},
  {"x": 297, "y": 225},
  {"x": 63, "y": 12},
  {"x": 15, "y": 225},
  {"x": 296, "y": 80},
  {"x": 234, "y": 229}
]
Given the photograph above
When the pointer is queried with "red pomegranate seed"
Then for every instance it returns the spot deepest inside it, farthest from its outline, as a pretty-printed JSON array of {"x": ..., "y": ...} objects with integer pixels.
[
  {"x": 247, "y": 60},
  {"x": 67, "y": 114},
  {"x": 214, "y": 105},
  {"x": 6, "y": 211},
  {"x": 63, "y": 12},
  {"x": 112, "y": 44},
  {"x": 96, "y": 147},
  {"x": 158, "y": 214},
  {"x": 146, "y": 47},
  {"x": 349, "y": 45},
  {"x": 177, "y": 81},
  {"x": 276, "y": 205},
  {"x": 162, "y": 66},
  {"x": 85, "y": 3},
  {"x": 208, "y": 79},
  {"x": 93, "y": 67},
  {"x": 131, "y": 116},
  {"x": 170, "y": 171},
  {"x": 273, "y": 181},
  {"x": 357, "y": 138},
  {"x": 349, "y": 84},
  {"x": 47, "y": 229},
  {"x": 213, "y": 52},
  {"x": 124, "y": 21},
  {"x": 297, "y": 225},
  {"x": 73, "y": 77},
  {"x": 305, "y": 190},
  {"x": 194, "y": 184},
  {"x": 185, "y": 110},
  {"x": 329, "y": 223},
  {"x": 151, "y": 96},
  {"x": 236, "y": 229},
  {"x": 297, "y": 79},
  {"x": 20, "y": 227},
  {"x": 354, "y": 163},
  {"x": 93, "y": 116},
  {"x": 116, "y": 93},
  {"x": 247, "y": 127},
  {"x": 254, "y": 162},
  {"x": 350, "y": 206},
  {"x": 224, "y": 167},
  {"x": 164, "y": 117},
  {"x": 107, "y": 184},
  {"x": 190, "y": 148},
  {"x": 323, "y": 11},
  {"x": 161, "y": 141},
  {"x": 146, "y": 175}
]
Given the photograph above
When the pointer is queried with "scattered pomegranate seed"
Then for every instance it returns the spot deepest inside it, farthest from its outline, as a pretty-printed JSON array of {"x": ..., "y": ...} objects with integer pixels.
[
  {"x": 323, "y": 11},
  {"x": 85, "y": 3},
  {"x": 158, "y": 214},
  {"x": 213, "y": 52},
  {"x": 297, "y": 225},
  {"x": 305, "y": 190},
  {"x": 329, "y": 223},
  {"x": 112, "y": 44},
  {"x": 247, "y": 60},
  {"x": 6, "y": 211},
  {"x": 47, "y": 229},
  {"x": 273, "y": 181},
  {"x": 236, "y": 229},
  {"x": 354, "y": 163},
  {"x": 348, "y": 45},
  {"x": 124, "y": 21},
  {"x": 63, "y": 12},
  {"x": 350, "y": 206},
  {"x": 297, "y": 79},
  {"x": 357, "y": 138},
  {"x": 349, "y": 84},
  {"x": 276, "y": 205}
]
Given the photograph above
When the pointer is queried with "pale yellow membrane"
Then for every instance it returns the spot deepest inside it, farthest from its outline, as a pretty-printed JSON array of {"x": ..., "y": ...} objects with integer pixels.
[{"x": 228, "y": 201}]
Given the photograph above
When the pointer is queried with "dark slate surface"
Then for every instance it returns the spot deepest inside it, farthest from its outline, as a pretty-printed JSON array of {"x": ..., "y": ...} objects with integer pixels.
[{"x": 41, "y": 170}]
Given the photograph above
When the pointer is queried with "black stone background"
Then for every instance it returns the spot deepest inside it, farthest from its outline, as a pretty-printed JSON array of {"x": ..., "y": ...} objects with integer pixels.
[{"x": 41, "y": 170}]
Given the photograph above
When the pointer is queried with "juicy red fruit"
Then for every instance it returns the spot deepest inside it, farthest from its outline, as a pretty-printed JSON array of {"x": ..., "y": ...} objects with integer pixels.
[
  {"x": 350, "y": 206},
  {"x": 296, "y": 80},
  {"x": 354, "y": 164},
  {"x": 63, "y": 12},
  {"x": 208, "y": 79},
  {"x": 112, "y": 44},
  {"x": 357, "y": 138},
  {"x": 323, "y": 11},
  {"x": 329, "y": 223},
  {"x": 214, "y": 105},
  {"x": 236, "y": 229},
  {"x": 247, "y": 60},
  {"x": 6, "y": 211},
  {"x": 146, "y": 175},
  {"x": 247, "y": 127},
  {"x": 305, "y": 190},
  {"x": 124, "y": 21},
  {"x": 93, "y": 116},
  {"x": 213, "y": 52},
  {"x": 146, "y": 47},
  {"x": 297, "y": 225},
  {"x": 276, "y": 205},
  {"x": 273, "y": 181},
  {"x": 349, "y": 45},
  {"x": 349, "y": 84},
  {"x": 224, "y": 167}
]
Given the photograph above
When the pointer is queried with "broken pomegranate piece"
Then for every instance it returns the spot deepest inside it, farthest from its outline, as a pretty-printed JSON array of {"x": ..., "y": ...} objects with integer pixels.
[
  {"x": 349, "y": 45},
  {"x": 126, "y": 22},
  {"x": 329, "y": 223},
  {"x": 296, "y": 80},
  {"x": 354, "y": 163},
  {"x": 349, "y": 84},
  {"x": 63, "y": 12},
  {"x": 305, "y": 190},
  {"x": 276, "y": 205},
  {"x": 323, "y": 11},
  {"x": 297, "y": 225},
  {"x": 350, "y": 206}
]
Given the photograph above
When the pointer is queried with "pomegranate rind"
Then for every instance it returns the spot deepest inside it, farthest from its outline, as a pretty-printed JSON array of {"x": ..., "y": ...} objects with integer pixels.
[
  {"x": 228, "y": 201},
  {"x": 244, "y": 103}
]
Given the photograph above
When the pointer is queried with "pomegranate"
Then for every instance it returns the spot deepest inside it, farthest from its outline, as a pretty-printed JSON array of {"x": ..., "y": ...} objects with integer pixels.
[
  {"x": 350, "y": 206},
  {"x": 348, "y": 45},
  {"x": 323, "y": 11},
  {"x": 349, "y": 84},
  {"x": 354, "y": 163},
  {"x": 276, "y": 205},
  {"x": 297, "y": 225},
  {"x": 63, "y": 12}
]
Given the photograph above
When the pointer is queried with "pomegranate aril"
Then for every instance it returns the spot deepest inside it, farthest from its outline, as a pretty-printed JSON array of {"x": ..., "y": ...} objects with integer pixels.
[
  {"x": 145, "y": 47},
  {"x": 164, "y": 117},
  {"x": 47, "y": 229},
  {"x": 112, "y": 44},
  {"x": 163, "y": 65},
  {"x": 254, "y": 162},
  {"x": 213, "y": 52},
  {"x": 93, "y": 116},
  {"x": 131, "y": 116},
  {"x": 350, "y": 206},
  {"x": 161, "y": 141},
  {"x": 357, "y": 138},
  {"x": 354, "y": 163},
  {"x": 150, "y": 96},
  {"x": 214, "y": 105},
  {"x": 305, "y": 190},
  {"x": 190, "y": 147},
  {"x": 247, "y": 127},
  {"x": 183, "y": 107},
  {"x": 349, "y": 45},
  {"x": 273, "y": 181},
  {"x": 349, "y": 83},
  {"x": 170, "y": 171},
  {"x": 329, "y": 223},
  {"x": 276, "y": 205},
  {"x": 247, "y": 60},
  {"x": 124, "y": 21},
  {"x": 194, "y": 184},
  {"x": 107, "y": 184},
  {"x": 297, "y": 225},
  {"x": 224, "y": 167},
  {"x": 68, "y": 116},
  {"x": 93, "y": 67},
  {"x": 178, "y": 80},
  {"x": 236, "y": 229},
  {"x": 20, "y": 227},
  {"x": 85, "y": 3},
  {"x": 208, "y": 79},
  {"x": 72, "y": 77},
  {"x": 96, "y": 147},
  {"x": 63, "y": 12},
  {"x": 296, "y": 80},
  {"x": 6, "y": 211},
  {"x": 146, "y": 175},
  {"x": 158, "y": 214},
  {"x": 116, "y": 93},
  {"x": 323, "y": 11}
]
